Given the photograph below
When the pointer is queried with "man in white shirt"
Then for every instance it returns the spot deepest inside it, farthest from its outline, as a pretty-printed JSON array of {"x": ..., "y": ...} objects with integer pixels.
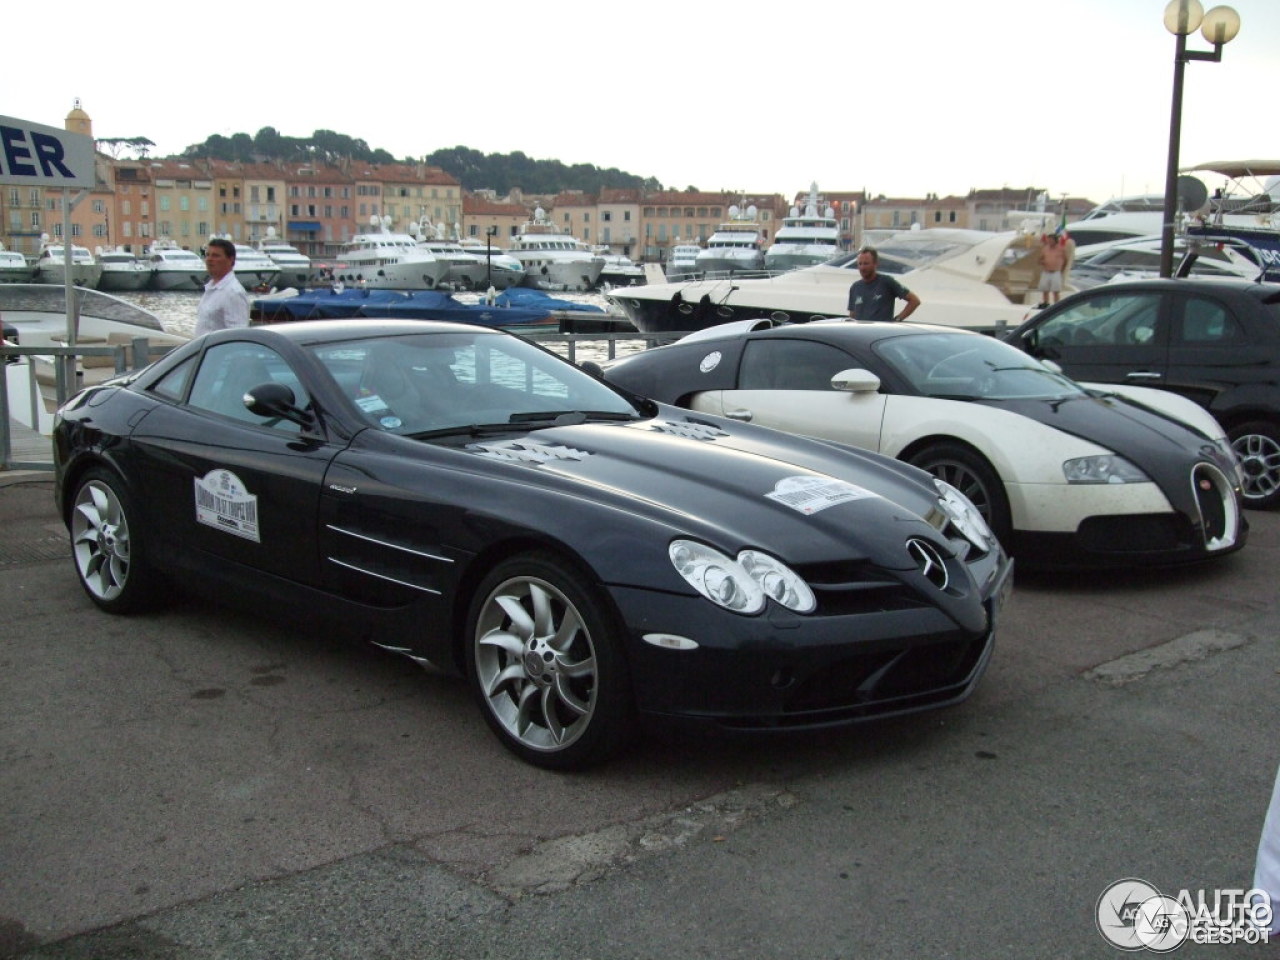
[{"x": 224, "y": 304}]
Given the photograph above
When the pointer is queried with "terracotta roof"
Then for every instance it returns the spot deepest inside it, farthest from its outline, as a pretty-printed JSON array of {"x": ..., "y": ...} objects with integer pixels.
[{"x": 480, "y": 206}]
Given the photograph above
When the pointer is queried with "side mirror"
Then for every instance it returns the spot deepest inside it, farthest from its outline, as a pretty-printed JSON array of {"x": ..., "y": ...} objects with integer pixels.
[
  {"x": 855, "y": 381},
  {"x": 1050, "y": 365},
  {"x": 276, "y": 400},
  {"x": 591, "y": 368}
]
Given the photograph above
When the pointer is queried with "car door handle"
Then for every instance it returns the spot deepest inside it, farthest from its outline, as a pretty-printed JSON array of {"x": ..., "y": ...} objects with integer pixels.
[
  {"x": 743, "y": 415},
  {"x": 1143, "y": 375}
]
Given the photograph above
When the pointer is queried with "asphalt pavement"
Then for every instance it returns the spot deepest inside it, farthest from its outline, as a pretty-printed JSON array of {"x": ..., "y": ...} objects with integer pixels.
[{"x": 201, "y": 783}]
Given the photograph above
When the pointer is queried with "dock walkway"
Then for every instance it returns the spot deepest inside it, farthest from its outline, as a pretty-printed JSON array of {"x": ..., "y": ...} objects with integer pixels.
[{"x": 28, "y": 450}]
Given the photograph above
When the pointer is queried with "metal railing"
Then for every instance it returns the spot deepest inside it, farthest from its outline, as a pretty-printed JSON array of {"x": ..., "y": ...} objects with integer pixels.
[{"x": 68, "y": 377}]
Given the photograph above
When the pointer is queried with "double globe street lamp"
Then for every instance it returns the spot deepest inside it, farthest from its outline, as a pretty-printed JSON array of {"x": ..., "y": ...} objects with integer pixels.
[{"x": 1219, "y": 27}]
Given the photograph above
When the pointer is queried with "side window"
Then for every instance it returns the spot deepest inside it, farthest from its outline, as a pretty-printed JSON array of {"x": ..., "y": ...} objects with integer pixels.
[
  {"x": 174, "y": 383},
  {"x": 1120, "y": 319},
  {"x": 1206, "y": 321},
  {"x": 777, "y": 364},
  {"x": 229, "y": 370}
]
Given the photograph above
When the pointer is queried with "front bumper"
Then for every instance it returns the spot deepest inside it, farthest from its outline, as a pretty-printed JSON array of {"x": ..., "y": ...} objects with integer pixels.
[{"x": 780, "y": 671}]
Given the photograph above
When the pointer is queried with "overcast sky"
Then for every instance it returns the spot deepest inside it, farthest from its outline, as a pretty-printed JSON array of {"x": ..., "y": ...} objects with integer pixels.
[{"x": 900, "y": 97}]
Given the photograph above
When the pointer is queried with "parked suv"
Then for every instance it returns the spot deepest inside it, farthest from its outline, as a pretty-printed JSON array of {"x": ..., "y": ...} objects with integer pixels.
[{"x": 1215, "y": 341}]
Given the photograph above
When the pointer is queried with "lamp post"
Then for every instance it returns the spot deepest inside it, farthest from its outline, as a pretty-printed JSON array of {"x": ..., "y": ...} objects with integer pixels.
[
  {"x": 488, "y": 255},
  {"x": 1219, "y": 26}
]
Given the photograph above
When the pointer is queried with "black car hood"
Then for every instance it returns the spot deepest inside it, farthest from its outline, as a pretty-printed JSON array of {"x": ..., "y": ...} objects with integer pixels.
[
  {"x": 746, "y": 484},
  {"x": 1163, "y": 448}
]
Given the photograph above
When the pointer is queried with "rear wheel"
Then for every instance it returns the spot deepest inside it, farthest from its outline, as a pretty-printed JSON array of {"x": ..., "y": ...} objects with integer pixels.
[
  {"x": 108, "y": 548},
  {"x": 973, "y": 476},
  {"x": 1257, "y": 445},
  {"x": 545, "y": 661}
]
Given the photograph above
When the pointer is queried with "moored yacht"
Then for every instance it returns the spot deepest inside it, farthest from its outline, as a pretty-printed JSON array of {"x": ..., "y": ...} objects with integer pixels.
[
  {"x": 805, "y": 238},
  {"x": 964, "y": 278},
  {"x": 382, "y": 260},
  {"x": 619, "y": 270},
  {"x": 735, "y": 247},
  {"x": 14, "y": 267},
  {"x": 121, "y": 270},
  {"x": 501, "y": 270},
  {"x": 682, "y": 261},
  {"x": 50, "y": 266},
  {"x": 553, "y": 260},
  {"x": 254, "y": 269},
  {"x": 294, "y": 265},
  {"x": 175, "y": 268},
  {"x": 466, "y": 271}
]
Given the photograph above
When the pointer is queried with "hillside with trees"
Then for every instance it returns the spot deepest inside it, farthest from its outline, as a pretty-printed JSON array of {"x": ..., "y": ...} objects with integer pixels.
[{"x": 473, "y": 169}]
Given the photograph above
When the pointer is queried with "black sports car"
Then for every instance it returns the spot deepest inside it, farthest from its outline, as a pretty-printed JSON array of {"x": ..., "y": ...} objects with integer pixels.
[
  {"x": 583, "y": 556},
  {"x": 1216, "y": 342}
]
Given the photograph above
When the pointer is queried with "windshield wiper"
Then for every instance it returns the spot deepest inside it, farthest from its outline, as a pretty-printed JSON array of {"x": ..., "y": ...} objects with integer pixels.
[{"x": 568, "y": 418}]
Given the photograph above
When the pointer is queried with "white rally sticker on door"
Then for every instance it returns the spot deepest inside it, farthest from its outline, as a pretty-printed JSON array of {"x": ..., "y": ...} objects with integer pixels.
[
  {"x": 812, "y": 494},
  {"x": 222, "y": 502}
]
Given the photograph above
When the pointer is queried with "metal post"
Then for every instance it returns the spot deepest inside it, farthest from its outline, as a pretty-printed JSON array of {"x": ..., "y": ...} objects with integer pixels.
[{"x": 1171, "y": 171}]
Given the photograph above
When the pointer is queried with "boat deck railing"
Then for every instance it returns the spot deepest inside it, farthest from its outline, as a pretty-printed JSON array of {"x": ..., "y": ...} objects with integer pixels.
[
  {"x": 22, "y": 448},
  {"x": 67, "y": 367}
]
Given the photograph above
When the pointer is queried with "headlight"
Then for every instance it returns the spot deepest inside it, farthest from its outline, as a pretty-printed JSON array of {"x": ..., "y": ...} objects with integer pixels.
[
  {"x": 779, "y": 582},
  {"x": 960, "y": 510},
  {"x": 740, "y": 585},
  {"x": 1107, "y": 468}
]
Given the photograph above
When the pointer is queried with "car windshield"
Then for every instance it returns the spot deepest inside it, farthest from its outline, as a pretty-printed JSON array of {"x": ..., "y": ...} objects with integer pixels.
[
  {"x": 965, "y": 367},
  {"x": 435, "y": 383}
]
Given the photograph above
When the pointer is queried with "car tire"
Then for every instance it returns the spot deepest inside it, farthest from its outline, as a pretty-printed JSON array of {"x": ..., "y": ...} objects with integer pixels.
[
  {"x": 107, "y": 545},
  {"x": 973, "y": 476},
  {"x": 576, "y": 708},
  {"x": 1257, "y": 445}
]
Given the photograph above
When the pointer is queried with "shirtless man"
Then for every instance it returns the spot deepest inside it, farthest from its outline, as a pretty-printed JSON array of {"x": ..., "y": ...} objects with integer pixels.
[{"x": 1053, "y": 260}]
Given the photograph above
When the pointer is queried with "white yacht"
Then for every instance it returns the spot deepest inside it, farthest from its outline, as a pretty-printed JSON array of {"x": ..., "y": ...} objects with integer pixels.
[
  {"x": 254, "y": 269},
  {"x": 682, "y": 261},
  {"x": 466, "y": 271},
  {"x": 964, "y": 278},
  {"x": 14, "y": 267},
  {"x": 121, "y": 270},
  {"x": 50, "y": 266},
  {"x": 804, "y": 239},
  {"x": 382, "y": 260},
  {"x": 619, "y": 270},
  {"x": 553, "y": 260},
  {"x": 295, "y": 266},
  {"x": 735, "y": 247},
  {"x": 175, "y": 268},
  {"x": 501, "y": 270}
]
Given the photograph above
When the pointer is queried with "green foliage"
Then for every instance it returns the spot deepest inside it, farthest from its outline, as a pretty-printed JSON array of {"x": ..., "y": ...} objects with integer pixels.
[{"x": 473, "y": 169}]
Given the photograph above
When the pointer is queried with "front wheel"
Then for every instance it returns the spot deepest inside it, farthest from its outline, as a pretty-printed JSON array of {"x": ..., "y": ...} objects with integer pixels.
[
  {"x": 108, "y": 546},
  {"x": 971, "y": 475},
  {"x": 545, "y": 661},
  {"x": 1257, "y": 446}
]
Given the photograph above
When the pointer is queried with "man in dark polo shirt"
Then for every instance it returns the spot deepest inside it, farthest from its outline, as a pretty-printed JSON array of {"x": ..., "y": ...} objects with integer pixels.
[{"x": 873, "y": 296}]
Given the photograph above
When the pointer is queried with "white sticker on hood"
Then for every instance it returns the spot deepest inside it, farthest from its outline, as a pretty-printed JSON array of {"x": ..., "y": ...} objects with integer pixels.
[
  {"x": 222, "y": 502},
  {"x": 811, "y": 494}
]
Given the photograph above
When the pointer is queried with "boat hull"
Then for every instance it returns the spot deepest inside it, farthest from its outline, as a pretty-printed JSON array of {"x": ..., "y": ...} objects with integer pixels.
[
  {"x": 128, "y": 279},
  {"x": 562, "y": 274},
  {"x": 177, "y": 280}
]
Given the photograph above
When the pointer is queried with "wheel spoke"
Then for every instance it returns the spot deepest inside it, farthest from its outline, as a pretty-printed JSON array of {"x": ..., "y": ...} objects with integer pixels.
[
  {"x": 503, "y": 641},
  {"x": 520, "y": 619},
  {"x": 568, "y": 697}
]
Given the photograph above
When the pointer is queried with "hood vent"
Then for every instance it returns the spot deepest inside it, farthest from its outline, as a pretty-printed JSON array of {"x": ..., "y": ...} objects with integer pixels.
[
  {"x": 526, "y": 451},
  {"x": 689, "y": 430}
]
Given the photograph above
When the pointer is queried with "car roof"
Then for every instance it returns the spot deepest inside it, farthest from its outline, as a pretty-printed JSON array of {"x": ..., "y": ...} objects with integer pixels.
[
  {"x": 848, "y": 332},
  {"x": 330, "y": 331},
  {"x": 1200, "y": 284}
]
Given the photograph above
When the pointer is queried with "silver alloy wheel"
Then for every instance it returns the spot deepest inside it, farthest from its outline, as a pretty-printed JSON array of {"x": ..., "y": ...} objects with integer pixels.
[
  {"x": 100, "y": 540},
  {"x": 1259, "y": 457},
  {"x": 535, "y": 663}
]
